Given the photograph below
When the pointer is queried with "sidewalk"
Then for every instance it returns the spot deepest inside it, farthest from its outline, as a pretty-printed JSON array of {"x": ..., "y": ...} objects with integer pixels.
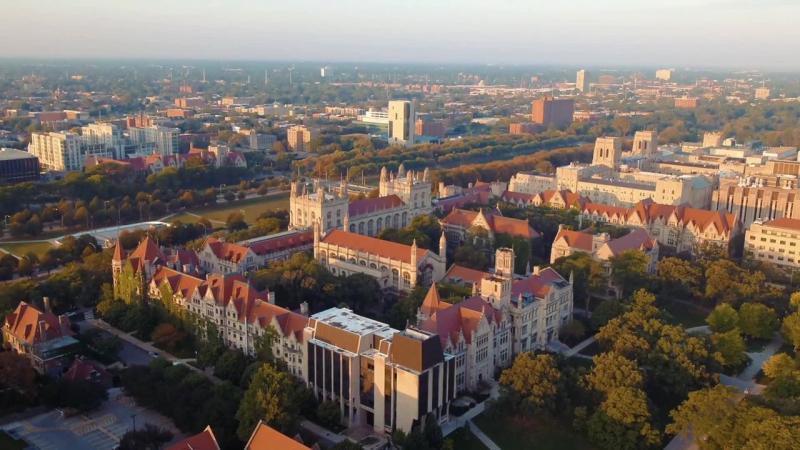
[{"x": 149, "y": 348}]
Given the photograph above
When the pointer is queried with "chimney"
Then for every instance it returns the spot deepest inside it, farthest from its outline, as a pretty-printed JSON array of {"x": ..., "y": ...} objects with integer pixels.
[
  {"x": 304, "y": 308},
  {"x": 46, "y": 301},
  {"x": 536, "y": 270},
  {"x": 271, "y": 297}
]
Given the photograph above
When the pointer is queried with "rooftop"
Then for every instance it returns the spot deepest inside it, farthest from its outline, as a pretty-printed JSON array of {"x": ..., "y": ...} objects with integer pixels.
[
  {"x": 351, "y": 322},
  {"x": 9, "y": 154}
]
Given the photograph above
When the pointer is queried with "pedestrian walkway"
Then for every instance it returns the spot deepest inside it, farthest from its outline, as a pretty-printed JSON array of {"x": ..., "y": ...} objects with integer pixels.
[
  {"x": 486, "y": 440},
  {"x": 574, "y": 350}
]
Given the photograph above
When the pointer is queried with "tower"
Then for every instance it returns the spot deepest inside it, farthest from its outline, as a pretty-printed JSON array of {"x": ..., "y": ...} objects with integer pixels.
[
  {"x": 443, "y": 245},
  {"x": 401, "y": 122},
  {"x": 582, "y": 81},
  {"x": 496, "y": 288},
  {"x": 607, "y": 152},
  {"x": 645, "y": 143}
]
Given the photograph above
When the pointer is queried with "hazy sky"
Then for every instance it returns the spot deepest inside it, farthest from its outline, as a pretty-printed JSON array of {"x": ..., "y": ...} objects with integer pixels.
[{"x": 733, "y": 33}]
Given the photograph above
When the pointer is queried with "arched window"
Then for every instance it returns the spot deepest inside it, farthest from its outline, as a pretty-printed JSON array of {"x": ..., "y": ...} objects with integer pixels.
[
  {"x": 395, "y": 277},
  {"x": 379, "y": 224},
  {"x": 370, "y": 228},
  {"x": 352, "y": 228},
  {"x": 360, "y": 227},
  {"x": 406, "y": 279}
]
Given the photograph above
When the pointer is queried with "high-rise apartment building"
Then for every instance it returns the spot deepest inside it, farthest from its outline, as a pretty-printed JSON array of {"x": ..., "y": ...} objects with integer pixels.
[
  {"x": 665, "y": 74},
  {"x": 299, "y": 138},
  {"x": 582, "y": 81},
  {"x": 549, "y": 111},
  {"x": 104, "y": 134},
  {"x": 401, "y": 122},
  {"x": 161, "y": 140},
  {"x": 64, "y": 151}
]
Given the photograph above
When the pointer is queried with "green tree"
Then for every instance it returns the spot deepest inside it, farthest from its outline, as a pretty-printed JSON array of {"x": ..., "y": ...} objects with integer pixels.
[
  {"x": 606, "y": 311},
  {"x": 731, "y": 347},
  {"x": 328, "y": 414},
  {"x": 757, "y": 320},
  {"x": 589, "y": 276},
  {"x": 612, "y": 371},
  {"x": 680, "y": 277},
  {"x": 623, "y": 421},
  {"x": 230, "y": 365},
  {"x": 779, "y": 365},
  {"x": 150, "y": 437},
  {"x": 273, "y": 396},
  {"x": 235, "y": 221},
  {"x": 534, "y": 379},
  {"x": 723, "y": 318},
  {"x": 629, "y": 271},
  {"x": 791, "y": 329}
]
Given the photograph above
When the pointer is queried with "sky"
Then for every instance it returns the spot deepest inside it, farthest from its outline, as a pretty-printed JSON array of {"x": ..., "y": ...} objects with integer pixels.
[{"x": 759, "y": 34}]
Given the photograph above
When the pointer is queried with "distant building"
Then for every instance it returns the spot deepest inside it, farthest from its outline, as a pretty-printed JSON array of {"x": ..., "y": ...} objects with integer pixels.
[
  {"x": 458, "y": 222},
  {"x": 157, "y": 139},
  {"x": 665, "y": 74},
  {"x": 43, "y": 337},
  {"x": 687, "y": 102},
  {"x": 190, "y": 102},
  {"x": 64, "y": 151},
  {"x": 524, "y": 128},
  {"x": 299, "y": 138},
  {"x": 607, "y": 152},
  {"x": 582, "y": 81},
  {"x": 379, "y": 377},
  {"x": 259, "y": 141},
  {"x": 425, "y": 126},
  {"x": 17, "y": 166},
  {"x": 549, "y": 111},
  {"x": 645, "y": 143},
  {"x": 762, "y": 93},
  {"x": 775, "y": 241},
  {"x": 401, "y": 122},
  {"x": 752, "y": 198}
]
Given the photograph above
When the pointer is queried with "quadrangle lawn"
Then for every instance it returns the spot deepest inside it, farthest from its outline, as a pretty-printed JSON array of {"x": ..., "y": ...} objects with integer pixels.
[
  {"x": 21, "y": 249},
  {"x": 518, "y": 433},
  {"x": 218, "y": 214}
]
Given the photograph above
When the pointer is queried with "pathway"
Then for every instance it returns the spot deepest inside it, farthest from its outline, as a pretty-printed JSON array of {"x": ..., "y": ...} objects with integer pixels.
[
  {"x": 486, "y": 440},
  {"x": 574, "y": 350},
  {"x": 150, "y": 348}
]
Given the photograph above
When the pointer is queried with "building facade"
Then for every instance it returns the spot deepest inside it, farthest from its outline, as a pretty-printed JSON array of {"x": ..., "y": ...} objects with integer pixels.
[
  {"x": 17, "y": 166},
  {"x": 582, "y": 81},
  {"x": 549, "y": 111},
  {"x": 299, "y": 138},
  {"x": 775, "y": 241},
  {"x": 402, "y": 121},
  {"x": 41, "y": 336}
]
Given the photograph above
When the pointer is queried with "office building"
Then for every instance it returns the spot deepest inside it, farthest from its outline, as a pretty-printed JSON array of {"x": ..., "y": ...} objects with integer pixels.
[
  {"x": 582, "y": 81},
  {"x": 401, "y": 122},
  {"x": 753, "y": 198},
  {"x": 17, "y": 166},
  {"x": 425, "y": 126},
  {"x": 775, "y": 241},
  {"x": 549, "y": 111},
  {"x": 260, "y": 142},
  {"x": 299, "y": 138},
  {"x": 380, "y": 377}
]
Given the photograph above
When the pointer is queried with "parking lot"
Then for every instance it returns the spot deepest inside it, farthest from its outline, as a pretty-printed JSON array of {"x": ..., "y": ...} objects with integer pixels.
[{"x": 100, "y": 430}]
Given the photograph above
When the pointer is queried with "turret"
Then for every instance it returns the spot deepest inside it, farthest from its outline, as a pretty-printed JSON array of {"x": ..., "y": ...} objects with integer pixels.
[
  {"x": 443, "y": 246},
  {"x": 384, "y": 176},
  {"x": 414, "y": 254},
  {"x": 346, "y": 221},
  {"x": 401, "y": 171},
  {"x": 426, "y": 175},
  {"x": 320, "y": 193},
  {"x": 343, "y": 188}
]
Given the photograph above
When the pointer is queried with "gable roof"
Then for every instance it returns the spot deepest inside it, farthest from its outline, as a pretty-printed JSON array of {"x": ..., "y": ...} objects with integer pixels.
[
  {"x": 204, "y": 440},
  {"x": 497, "y": 223},
  {"x": 265, "y": 437},
  {"x": 374, "y": 246},
  {"x": 784, "y": 222},
  {"x": 280, "y": 243},
  {"x": 539, "y": 285},
  {"x": 432, "y": 302},
  {"x": 575, "y": 239},
  {"x": 370, "y": 205},
  {"x": 33, "y": 326},
  {"x": 636, "y": 239},
  {"x": 227, "y": 251},
  {"x": 463, "y": 274}
]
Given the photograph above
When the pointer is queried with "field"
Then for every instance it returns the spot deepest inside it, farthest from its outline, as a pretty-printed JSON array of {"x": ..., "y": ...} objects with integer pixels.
[
  {"x": 512, "y": 433},
  {"x": 684, "y": 313},
  {"x": 218, "y": 214},
  {"x": 463, "y": 439},
  {"x": 23, "y": 248}
]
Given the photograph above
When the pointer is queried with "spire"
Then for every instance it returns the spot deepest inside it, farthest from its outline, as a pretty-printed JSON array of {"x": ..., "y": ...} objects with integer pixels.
[
  {"x": 432, "y": 303},
  {"x": 384, "y": 175},
  {"x": 414, "y": 254},
  {"x": 426, "y": 175},
  {"x": 401, "y": 171},
  {"x": 117, "y": 252},
  {"x": 346, "y": 221},
  {"x": 443, "y": 245}
]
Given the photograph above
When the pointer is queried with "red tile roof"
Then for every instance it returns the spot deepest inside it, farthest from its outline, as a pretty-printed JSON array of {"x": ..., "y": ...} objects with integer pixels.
[
  {"x": 278, "y": 244},
  {"x": 498, "y": 224},
  {"x": 227, "y": 251},
  {"x": 86, "y": 370},
  {"x": 575, "y": 239},
  {"x": 204, "y": 440},
  {"x": 265, "y": 437},
  {"x": 33, "y": 326},
  {"x": 370, "y": 205},
  {"x": 785, "y": 222},
  {"x": 637, "y": 239},
  {"x": 374, "y": 246},
  {"x": 463, "y": 274},
  {"x": 538, "y": 285}
]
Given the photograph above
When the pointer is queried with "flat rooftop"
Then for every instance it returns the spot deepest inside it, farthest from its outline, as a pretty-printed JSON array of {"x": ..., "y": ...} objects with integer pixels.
[
  {"x": 347, "y": 320},
  {"x": 9, "y": 154}
]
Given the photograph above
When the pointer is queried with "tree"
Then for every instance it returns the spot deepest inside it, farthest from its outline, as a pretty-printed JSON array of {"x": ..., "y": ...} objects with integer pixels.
[
  {"x": 629, "y": 271},
  {"x": 273, "y": 396},
  {"x": 16, "y": 373},
  {"x": 623, "y": 421},
  {"x": 791, "y": 329},
  {"x": 723, "y": 318},
  {"x": 25, "y": 267},
  {"x": 705, "y": 411},
  {"x": 235, "y": 221},
  {"x": 794, "y": 301},
  {"x": 572, "y": 332},
  {"x": 589, "y": 276},
  {"x": 263, "y": 345},
  {"x": 622, "y": 125},
  {"x": 680, "y": 277},
  {"x": 757, "y": 320},
  {"x": 230, "y": 365},
  {"x": 328, "y": 414},
  {"x": 727, "y": 282},
  {"x": 731, "y": 347},
  {"x": 534, "y": 379},
  {"x": 606, "y": 311},
  {"x": 80, "y": 395},
  {"x": 611, "y": 371},
  {"x": 150, "y": 437},
  {"x": 779, "y": 365}
]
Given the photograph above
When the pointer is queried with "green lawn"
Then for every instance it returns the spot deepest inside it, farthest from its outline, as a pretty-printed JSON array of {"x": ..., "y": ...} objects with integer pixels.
[
  {"x": 684, "y": 314},
  {"x": 512, "y": 433},
  {"x": 22, "y": 249},
  {"x": 218, "y": 214},
  {"x": 464, "y": 440},
  {"x": 9, "y": 443}
]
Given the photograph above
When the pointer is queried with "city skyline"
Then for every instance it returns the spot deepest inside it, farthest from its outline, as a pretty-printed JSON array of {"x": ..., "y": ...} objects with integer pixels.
[{"x": 707, "y": 34}]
